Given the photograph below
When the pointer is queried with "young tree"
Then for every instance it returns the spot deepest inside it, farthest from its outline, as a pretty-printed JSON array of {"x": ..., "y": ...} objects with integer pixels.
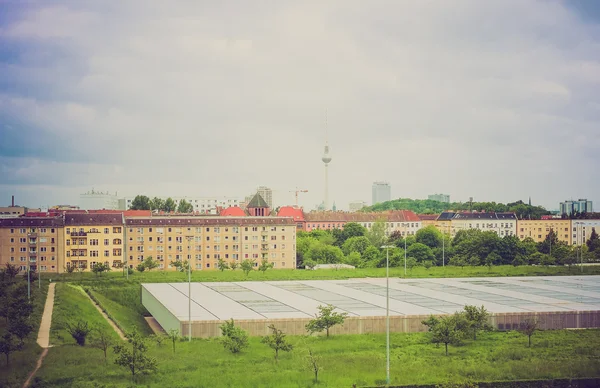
[
  {"x": 174, "y": 336},
  {"x": 102, "y": 340},
  {"x": 265, "y": 265},
  {"x": 234, "y": 339},
  {"x": 135, "y": 357},
  {"x": 429, "y": 236},
  {"x": 79, "y": 331},
  {"x": 169, "y": 205},
  {"x": 431, "y": 322},
  {"x": 100, "y": 268},
  {"x": 277, "y": 341},
  {"x": 222, "y": 265},
  {"x": 593, "y": 243},
  {"x": 247, "y": 266},
  {"x": 8, "y": 345},
  {"x": 150, "y": 263},
  {"x": 314, "y": 364},
  {"x": 140, "y": 267},
  {"x": 20, "y": 328},
  {"x": 325, "y": 319},
  {"x": 234, "y": 265},
  {"x": 376, "y": 234},
  {"x": 529, "y": 327},
  {"x": 449, "y": 330},
  {"x": 477, "y": 319}
]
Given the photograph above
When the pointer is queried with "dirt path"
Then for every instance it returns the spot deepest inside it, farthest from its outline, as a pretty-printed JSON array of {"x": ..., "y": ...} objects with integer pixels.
[
  {"x": 43, "y": 338},
  {"x": 110, "y": 322}
]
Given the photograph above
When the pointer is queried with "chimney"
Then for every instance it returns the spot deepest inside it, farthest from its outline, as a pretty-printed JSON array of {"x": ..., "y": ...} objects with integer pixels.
[{"x": 13, "y": 201}]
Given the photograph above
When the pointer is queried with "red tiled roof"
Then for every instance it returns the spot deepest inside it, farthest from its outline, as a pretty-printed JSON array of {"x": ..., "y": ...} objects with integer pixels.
[
  {"x": 291, "y": 211},
  {"x": 428, "y": 217},
  {"x": 233, "y": 211},
  {"x": 391, "y": 216},
  {"x": 195, "y": 220}
]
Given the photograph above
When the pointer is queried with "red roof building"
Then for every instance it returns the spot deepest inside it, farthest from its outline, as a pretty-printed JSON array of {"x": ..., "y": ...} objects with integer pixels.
[
  {"x": 233, "y": 211},
  {"x": 293, "y": 212}
]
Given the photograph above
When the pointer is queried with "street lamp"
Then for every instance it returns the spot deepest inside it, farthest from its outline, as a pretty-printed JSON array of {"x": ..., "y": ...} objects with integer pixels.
[
  {"x": 387, "y": 309},
  {"x": 578, "y": 243},
  {"x": 189, "y": 239},
  {"x": 405, "y": 254}
]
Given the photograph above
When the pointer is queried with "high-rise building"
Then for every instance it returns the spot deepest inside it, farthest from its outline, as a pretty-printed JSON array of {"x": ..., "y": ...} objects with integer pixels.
[
  {"x": 382, "y": 191},
  {"x": 579, "y": 206},
  {"x": 326, "y": 158},
  {"x": 439, "y": 197},
  {"x": 93, "y": 200},
  {"x": 267, "y": 194},
  {"x": 202, "y": 205}
]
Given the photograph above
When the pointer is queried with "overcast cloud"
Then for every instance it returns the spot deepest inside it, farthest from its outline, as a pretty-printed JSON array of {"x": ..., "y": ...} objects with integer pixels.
[{"x": 499, "y": 100}]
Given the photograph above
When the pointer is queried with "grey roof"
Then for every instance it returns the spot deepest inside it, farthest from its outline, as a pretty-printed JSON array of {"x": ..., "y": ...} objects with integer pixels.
[
  {"x": 484, "y": 216},
  {"x": 32, "y": 222},
  {"x": 93, "y": 219},
  {"x": 367, "y": 297},
  {"x": 257, "y": 201}
]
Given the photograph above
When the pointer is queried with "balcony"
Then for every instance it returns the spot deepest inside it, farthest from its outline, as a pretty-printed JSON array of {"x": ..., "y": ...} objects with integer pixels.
[
  {"x": 264, "y": 232},
  {"x": 32, "y": 242},
  {"x": 78, "y": 234},
  {"x": 32, "y": 235}
]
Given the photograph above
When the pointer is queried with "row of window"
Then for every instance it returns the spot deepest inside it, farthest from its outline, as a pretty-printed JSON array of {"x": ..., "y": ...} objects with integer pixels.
[
  {"x": 32, "y": 230},
  {"x": 115, "y": 229},
  {"x": 215, "y": 256},
  {"x": 215, "y": 229}
]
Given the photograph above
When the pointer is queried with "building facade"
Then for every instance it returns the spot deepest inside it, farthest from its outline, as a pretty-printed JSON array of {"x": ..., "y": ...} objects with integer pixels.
[
  {"x": 581, "y": 230},
  {"x": 98, "y": 200},
  {"x": 439, "y": 197},
  {"x": 579, "y": 206},
  {"x": 202, "y": 205},
  {"x": 355, "y": 206},
  {"x": 405, "y": 222},
  {"x": 380, "y": 192},
  {"x": 538, "y": 229},
  {"x": 206, "y": 240},
  {"x": 503, "y": 224}
]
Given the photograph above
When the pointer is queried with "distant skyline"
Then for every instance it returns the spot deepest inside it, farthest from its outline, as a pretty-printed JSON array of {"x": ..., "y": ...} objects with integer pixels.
[{"x": 495, "y": 100}]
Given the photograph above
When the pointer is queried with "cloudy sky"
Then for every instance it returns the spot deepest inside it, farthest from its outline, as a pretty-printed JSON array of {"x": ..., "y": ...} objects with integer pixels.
[{"x": 498, "y": 100}]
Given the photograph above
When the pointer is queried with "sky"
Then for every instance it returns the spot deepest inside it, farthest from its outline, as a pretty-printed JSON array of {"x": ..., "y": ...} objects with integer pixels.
[{"x": 495, "y": 100}]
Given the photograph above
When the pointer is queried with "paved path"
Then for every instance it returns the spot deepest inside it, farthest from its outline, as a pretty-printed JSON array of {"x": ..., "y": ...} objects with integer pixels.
[
  {"x": 43, "y": 338},
  {"x": 110, "y": 322}
]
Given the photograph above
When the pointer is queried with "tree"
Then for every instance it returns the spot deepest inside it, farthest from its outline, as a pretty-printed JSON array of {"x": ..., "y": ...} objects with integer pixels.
[
  {"x": 247, "y": 266},
  {"x": 354, "y": 259},
  {"x": 185, "y": 207},
  {"x": 429, "y": 236},
  {"x": 135, "y": 357},
  {"x": 477, "y": 319},
  {"x": 174, "y": 336},
  {"x": 325, "y": 319},
  {"x": 420, "y": 252},
  {"x": 79, "y": 331},
  {"x": 593, "y": 243},
  {"x": 222, "y": 265},
  {"x": 157, "y": 204},
  {"x": 100, "y": 268},
  {"x": 8, "y": 345},
  {"x": 324, "y": 254},
  {"x": 265, "y": 265},
  {"x": 20, "y": 328},
  {"x": 140, "y": 202},
  {"x": 150, "y": 263},
  {"x": 449, "y": 330},
  {"x": 356, "y": 244},
  {"x": 169, "y": 205},
  {"x": 277, "y": 341},
  {"x": 181, "y": 265},
  {"x": 233, "y": 265},
  {"x": 376, "y": 234},
  {"x": 430, "y": 322},
  {"x": 529, "y": 327},
  {"x": 549, "y": 244},
  {"x": 102, "y": 340},
  {"x": 140, "y": 267},
  {"x": 353, "y": 229},
  {"x": 234, "y": 338},
  {"x": 314, "y": 364}
]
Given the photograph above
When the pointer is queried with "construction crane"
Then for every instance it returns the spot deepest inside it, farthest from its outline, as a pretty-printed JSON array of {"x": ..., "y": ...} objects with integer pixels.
[{"x": 296, "y": 192}]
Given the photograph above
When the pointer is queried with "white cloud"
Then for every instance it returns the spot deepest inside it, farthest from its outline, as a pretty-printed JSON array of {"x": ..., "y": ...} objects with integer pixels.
[{"x": 496, "y": 100}]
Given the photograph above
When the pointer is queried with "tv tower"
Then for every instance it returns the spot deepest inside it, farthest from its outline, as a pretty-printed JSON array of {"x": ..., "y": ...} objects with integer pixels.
[{"x": 326, "y": 159}]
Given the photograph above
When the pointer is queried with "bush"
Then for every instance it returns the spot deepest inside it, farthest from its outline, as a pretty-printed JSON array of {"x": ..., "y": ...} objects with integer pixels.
[
  {"x": 234, "y": 338},
  {"x": 79, "y": 331}
]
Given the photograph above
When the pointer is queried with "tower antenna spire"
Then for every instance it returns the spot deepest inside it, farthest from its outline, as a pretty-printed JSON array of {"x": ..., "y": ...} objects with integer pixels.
[{"x": 326, "y": 159}]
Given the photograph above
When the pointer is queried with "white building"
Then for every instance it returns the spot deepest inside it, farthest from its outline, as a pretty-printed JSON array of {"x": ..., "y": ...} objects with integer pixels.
[
  {"x": 381, "y": 192},
  {"x": 582, "y": 230},
  {"x": 267, "y": 194},
  {"x": 204, "y": 205},
  {"x": 98, "y": 200},
  {"x": 503, "y": 224},
  {"x": 357, "y": 205},
  {"x": 439, "y": 197},
  {"x": 579, "y": 206}
]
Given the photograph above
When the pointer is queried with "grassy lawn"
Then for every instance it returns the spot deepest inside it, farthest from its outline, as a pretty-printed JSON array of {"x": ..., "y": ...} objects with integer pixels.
[
  {"x": 345, "y": 360},
  {"x": 23, "y": 361},
  {"x": 71, "y": 304},
  {"x": 126, "y": 318}
]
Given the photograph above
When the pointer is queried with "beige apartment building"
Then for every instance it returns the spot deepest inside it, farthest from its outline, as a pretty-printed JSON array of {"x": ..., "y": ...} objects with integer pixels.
[
  {"x": 539, "y": 229},
  {"x": 206, "y": 240},
  {"x": 35, "y": 242}
]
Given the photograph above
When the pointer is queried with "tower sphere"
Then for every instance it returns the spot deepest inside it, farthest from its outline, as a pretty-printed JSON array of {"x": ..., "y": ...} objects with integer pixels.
[{"x": 326, "y": 158}]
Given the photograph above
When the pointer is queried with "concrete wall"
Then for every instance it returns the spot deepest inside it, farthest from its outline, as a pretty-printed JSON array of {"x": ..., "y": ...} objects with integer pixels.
[
  {"x": 402, "y": 324},
  {"x": 162, "y": 315}
]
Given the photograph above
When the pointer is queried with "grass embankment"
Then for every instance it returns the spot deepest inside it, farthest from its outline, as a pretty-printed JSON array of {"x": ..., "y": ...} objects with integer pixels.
[
  {"x": 71, "y": 305},
  {"x": 345, "y": 360},
  {"x": 23, "y": 361},
  {"x": 127, "y": 315}
]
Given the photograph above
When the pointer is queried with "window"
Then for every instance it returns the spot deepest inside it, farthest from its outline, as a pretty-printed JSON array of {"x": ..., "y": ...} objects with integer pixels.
[
  {"x": 12, "y": 230},
  {"x": 93, "y": 253},
  {"x": 106, "y": 253},
  {"x": 22, "y": 230},
  {"x": 273, "y": 238},
  {"x": 22, "y": 240},
  {"x": 106, "y": 241},
  {"x": 106, "y": 231}
]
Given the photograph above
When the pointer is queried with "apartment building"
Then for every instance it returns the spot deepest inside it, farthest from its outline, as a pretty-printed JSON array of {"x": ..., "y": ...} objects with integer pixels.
[
  {"x": 581, "y": 230},
  {"x": 37, "y": 243},
  {"x": 93, "y": 238},
  {"x": 503, "y": 224},
  {"x": 404, "y": 221},
  {"x": 538, "y": 229},
  {"x": 205, "y": 240}
]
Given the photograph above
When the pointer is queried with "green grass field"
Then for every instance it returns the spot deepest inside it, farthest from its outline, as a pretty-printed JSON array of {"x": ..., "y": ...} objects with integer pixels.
[
  {"x": 345, "y": 360},
  {"x": 23, "y": 361}
]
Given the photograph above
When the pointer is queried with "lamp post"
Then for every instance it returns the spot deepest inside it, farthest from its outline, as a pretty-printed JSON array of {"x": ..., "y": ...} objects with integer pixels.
[
  {"x": 189, "y": 239},
  {"x": 405, "y": 254},
  {"x": 443, "y": 250},
  {"x": 387, "y": 310}
]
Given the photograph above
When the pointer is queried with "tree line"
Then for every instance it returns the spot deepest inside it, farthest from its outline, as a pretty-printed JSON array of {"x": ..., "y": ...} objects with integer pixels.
[
  {"x": 143, "y": 202},
  {"x": 428, "y": 206},
  {"x": 362, "y": 248}
]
